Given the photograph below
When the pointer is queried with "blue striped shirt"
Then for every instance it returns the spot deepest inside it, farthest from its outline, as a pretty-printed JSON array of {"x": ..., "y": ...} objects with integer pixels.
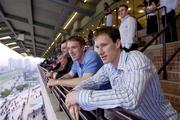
[{"x": 135, "y": 87}]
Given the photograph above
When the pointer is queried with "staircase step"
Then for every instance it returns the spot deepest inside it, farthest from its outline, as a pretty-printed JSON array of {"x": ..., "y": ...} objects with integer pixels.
[
  {"x": 175, "y": 101},
  {"x": 171, "y": 75},
  {"x": 170, "y": 87},
  {"x": 159, "y": 58},
  {"x": 156, "y": 51},
  {"x": 172, "y": 66}
]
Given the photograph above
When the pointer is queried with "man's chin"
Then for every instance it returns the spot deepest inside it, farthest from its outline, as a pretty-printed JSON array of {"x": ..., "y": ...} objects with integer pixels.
[
  {"x": 74, "y": 59},
  {"x": 105, "y": 62}
]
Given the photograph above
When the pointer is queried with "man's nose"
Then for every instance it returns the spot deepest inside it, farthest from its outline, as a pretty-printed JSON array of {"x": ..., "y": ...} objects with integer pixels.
[
  {"x": 100, "y": 51},
  {"x": 69, "y": 50}
]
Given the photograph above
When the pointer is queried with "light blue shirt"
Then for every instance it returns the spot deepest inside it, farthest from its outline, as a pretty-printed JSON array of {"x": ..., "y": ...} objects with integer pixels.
[
  {"x": 91, "y": 64},
  {"x": 135, "y": 87}
]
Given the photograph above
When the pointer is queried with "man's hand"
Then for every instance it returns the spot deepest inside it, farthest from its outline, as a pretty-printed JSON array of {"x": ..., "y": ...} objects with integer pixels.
[
  {"x": 52, "y": 83},
  {"x": 71, "y": 99},
  {"x": 49, "y": 74},
  {"x": 74, "y": 112}
]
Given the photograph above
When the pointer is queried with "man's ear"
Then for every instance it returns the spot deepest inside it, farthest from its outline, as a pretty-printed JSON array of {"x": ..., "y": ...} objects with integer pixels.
[
  {"x": 118, "y": 43},
  {"x": 83, "y": 47}
]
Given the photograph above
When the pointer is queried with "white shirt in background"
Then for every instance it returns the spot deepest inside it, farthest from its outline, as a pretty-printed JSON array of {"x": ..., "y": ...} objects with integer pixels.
[
  {"x": 169, "y": 4},
  {"x": 127, "y": 31}
]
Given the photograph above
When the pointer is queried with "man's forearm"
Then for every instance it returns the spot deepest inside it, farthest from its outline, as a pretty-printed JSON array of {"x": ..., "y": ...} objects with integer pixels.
[
  {"x": 75, "y": 81},
  {"x": 66, "y": 76},
  {"x": 70, "y": 82}
]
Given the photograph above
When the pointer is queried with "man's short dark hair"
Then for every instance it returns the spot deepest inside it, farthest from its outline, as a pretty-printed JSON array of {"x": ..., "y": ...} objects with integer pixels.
[
  {"x": 112, "y": 32},
  {"x": 123, "y": 5},
  {"x": 78, "y": 39}
]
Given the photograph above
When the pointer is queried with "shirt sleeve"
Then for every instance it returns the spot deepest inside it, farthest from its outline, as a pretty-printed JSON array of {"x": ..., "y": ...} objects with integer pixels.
[
  {"x": 95, "y": 81},
  {"x": 92, "y": 63},
  {"x": 129, "y": 96}
]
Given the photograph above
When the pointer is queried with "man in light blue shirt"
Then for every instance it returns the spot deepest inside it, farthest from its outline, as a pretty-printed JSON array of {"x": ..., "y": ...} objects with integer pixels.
[
  {"x": 85, "y": 63},
  {"x": 133, "y": 78},
  {"x": 90, "y": 64}
]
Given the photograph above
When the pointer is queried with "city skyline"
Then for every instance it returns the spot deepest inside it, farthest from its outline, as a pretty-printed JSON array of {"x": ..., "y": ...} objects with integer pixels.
[{"x": 7, "y": 53}]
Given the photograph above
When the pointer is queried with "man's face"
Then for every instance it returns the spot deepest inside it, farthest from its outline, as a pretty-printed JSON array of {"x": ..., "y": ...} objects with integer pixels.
[
  {"x": 75, "y": 50},
  {"x": 122, "y": 12},
  {"x": 64, "y": 48},
  {"x": 106, "y": 48}
]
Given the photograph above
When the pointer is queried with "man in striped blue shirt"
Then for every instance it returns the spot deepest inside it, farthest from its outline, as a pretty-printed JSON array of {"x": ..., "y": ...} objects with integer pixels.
[{"x": 133, "y": 78}]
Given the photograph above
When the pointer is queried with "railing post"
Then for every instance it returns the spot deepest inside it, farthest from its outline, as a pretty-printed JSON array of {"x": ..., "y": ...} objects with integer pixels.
[
  {"x": 100, "y": 114},
  {"x": 164, "y": 50},
  {"x": 60, "y": 96}
]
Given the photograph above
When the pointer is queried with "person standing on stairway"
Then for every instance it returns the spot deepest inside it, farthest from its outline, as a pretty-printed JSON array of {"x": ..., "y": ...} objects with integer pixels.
[
  {"x": 127, "y": 29},
  {"x": 171, "y": 32},
  {"x": 108, "y": 14}
]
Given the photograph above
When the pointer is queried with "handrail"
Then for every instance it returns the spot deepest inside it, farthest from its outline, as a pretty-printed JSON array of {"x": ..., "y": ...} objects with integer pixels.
[
  {"x": 157, "y": 9},
  {"x": 151, "y": 41},
  {"x": 169, "y": 60},
  {"x": 125, "y": 115},
  {"x": 164, "y": 47},
  {"x": 60, "y": 94}
]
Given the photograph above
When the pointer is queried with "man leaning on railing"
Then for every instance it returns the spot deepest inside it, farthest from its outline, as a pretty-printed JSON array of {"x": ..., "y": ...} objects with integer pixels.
[
  {"x": 133, "y": 78},
  {"x": 85, "y": 64}
]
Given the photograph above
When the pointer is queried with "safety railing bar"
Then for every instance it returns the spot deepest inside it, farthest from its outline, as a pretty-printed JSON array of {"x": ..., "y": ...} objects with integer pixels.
[
  {"x": 121, "y": 116},
  {"x": 151, "y": 41},
  {"x": 93, "y": 113},
  {"x": 157, "y": 9},
  {"x": 86, "y": 116},
  {"x": 65, "y": 112},
  {"x": 65, "y": 89},
  {"x": 63, "y": 106},
  {"x": 100, "y": 114},
  {"x": 82, "y": 116},
  {"x": 56, "y": 95},
  {"x": 63, "y": 95},
  {"x": 124, "y": 113}
]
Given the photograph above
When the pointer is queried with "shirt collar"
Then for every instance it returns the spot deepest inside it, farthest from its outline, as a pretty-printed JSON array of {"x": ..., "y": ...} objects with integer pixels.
[
  {"x": 122, "y": 60},
  {"x": 123, "y": 19},
  {"x": 83, "y": 58}
]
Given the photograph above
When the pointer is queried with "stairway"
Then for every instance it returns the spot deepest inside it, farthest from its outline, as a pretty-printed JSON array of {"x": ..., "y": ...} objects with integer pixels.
[{"x": 171, "y": 86}]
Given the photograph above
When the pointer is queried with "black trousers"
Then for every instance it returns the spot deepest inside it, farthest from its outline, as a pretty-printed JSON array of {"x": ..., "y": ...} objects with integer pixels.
[
  {"x": 152, "y": 25},
  {"x": 170, "y": 32}
]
